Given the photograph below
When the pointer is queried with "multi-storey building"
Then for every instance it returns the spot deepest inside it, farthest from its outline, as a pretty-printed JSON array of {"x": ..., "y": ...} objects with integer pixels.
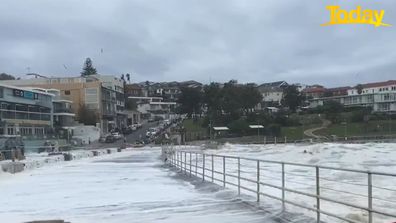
[
  {"x": 63, "y": 115},
  {"x": 154, "y": 107},
  {"x": 102, "y": 94},
  {"x": 380, "y": 96},
  {"x": 25, "y": 111}
]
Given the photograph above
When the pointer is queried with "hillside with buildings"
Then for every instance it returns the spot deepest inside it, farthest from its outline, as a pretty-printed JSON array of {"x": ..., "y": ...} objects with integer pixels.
[{"x": 42, "y": 105}]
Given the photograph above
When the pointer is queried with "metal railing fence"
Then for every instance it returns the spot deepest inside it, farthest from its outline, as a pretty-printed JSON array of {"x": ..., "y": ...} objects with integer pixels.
[{"x": 229, "y": 171}]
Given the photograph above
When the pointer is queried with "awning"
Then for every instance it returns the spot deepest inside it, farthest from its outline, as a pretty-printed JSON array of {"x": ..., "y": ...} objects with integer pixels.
[
  {"x": 221, "y": 128},
  {"x": 256, "y": 126}
]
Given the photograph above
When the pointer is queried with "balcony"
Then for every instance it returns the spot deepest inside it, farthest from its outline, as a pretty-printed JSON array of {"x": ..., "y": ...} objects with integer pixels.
[{"x": 63, "y": 110}]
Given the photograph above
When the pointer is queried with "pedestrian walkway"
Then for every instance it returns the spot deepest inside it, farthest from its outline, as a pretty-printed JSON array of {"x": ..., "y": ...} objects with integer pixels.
[
  {"x": 131, "y": 186},
  {"x": 310, "y": 132}
]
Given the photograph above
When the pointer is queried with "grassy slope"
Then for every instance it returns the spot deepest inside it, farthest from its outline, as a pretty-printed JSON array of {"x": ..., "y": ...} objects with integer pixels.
[
  {"x": 360, "y": 129},
  {"x": 191, "y": 126}
]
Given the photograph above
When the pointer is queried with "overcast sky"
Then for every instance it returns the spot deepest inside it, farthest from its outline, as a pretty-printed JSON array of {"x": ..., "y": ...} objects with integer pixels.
[{"x": 206, "y": 40}]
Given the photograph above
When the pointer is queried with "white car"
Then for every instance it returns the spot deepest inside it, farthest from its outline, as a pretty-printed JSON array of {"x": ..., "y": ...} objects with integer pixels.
[
  {"x": 117, "y": 135},
  {"x": 148, "y": 134},
  {"x": 153, "y": 131},
  {"x": 133, "y": 127}
]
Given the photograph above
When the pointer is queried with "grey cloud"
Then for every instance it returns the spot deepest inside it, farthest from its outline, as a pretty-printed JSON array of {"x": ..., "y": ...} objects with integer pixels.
[{"x": 252, "y": 41}]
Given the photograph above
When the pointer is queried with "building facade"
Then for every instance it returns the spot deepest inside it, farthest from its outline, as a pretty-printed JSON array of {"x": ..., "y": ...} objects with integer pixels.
[
  {"x": 25, "y": 111},
  {"x": 101, "y": 94},
  {"x": 154, "y": 107},
  {"x": 380, "y": 96},
  {"x": 272, "y": 93}
]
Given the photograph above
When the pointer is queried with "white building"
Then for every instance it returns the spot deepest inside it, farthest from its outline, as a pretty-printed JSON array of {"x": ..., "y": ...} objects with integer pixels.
[
  {"x": 272, "y": 93},
  {"x": 154, "y": 106},
  {"x": 381, "y": 96}
]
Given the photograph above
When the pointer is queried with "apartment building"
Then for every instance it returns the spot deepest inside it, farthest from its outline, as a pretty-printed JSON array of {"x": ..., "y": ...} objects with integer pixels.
[
  {"x": 154, "y": 107},
  {"x": 380, "y": 96},
  {"x": 62, "y": 113},
  {"x": 25, "y": 111},
  {"x": 103, "y": 94}
]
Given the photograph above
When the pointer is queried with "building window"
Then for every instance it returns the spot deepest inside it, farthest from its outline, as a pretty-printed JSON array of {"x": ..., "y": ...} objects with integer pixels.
[
  {"x": 67, "y": 92},
  {"x": 10, "y": 130}
]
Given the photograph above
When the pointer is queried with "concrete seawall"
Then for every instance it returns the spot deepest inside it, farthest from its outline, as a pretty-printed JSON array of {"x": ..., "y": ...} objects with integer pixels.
[{"x": 37, "y": 161}]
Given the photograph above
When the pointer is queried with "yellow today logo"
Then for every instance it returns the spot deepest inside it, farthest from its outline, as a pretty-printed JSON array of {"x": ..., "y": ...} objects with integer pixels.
[{"x": 358, "y": 16}]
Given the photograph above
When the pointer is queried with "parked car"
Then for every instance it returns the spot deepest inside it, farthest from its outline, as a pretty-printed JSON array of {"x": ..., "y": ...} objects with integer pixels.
[
  {"x": 138, "y": 125},
  {"x": 110, "y": 139},
  {"x": 117, "y": 135},
  {"x": 148, "y": 133},
  {"x": 153, "y": 131},
  {"x": 167, "y": 122},
  {"x": 133, "y": 127},
  {"x": 102, "y": 139}
]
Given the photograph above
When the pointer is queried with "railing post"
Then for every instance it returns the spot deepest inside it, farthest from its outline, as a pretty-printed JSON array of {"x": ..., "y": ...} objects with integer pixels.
[
  {"x": 258, "y": 180},
  {"x": 171, "y": 159},
  {"x": 283, "y": 186},
  {"x": 196, "y": 164},
  {"x": 265, "y": 139},
  {"x": 275, "y": 140},
  {"x": 224, "y": 171},
  {"x": 370, "y": 197},
  {"x": 203, "y": 167},
  {"x": 212, "y": 169},
  {"x": 239, "y": 176},
  {"x": 185, "y": 163},
  {"x": 190, "y": 164},
  {"x": 181, "y": 161},
  {"x": 178, "y": 159},
  {"x": 317, "y": 195}
]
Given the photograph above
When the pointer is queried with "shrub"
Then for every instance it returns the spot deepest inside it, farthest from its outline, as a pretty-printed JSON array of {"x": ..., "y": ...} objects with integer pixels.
[{"x": 240, "y": 127}]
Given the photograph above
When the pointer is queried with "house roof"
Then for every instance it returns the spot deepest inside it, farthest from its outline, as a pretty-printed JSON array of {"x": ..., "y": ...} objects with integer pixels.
[
  {"x": 339, "y": 89},
  {"x": 314, "y": 90},
  {"x": 379, "y": 84},
  {"x": 274, "y": 84}
]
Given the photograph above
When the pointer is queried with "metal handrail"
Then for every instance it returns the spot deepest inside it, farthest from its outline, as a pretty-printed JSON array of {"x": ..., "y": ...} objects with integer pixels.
[{"x": 179, "y": 160}]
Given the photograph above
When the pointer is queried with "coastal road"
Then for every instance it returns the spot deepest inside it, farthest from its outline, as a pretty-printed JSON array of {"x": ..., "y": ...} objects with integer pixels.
[{"x": 131, "y": 138}]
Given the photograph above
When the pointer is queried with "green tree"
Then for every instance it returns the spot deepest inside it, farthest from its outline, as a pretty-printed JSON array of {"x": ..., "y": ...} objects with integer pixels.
[
  {"x": 249, "y": 97},
  {"x": 212, "y": 98},
  {"x": 87, "y": 116},
  {"x": 332, "y": 110},
  {"x": 4, "y": 76},
  {"x": 88, "y": 68},
  {"x": 231, "y": 99},
  {"x": 130, "y": 104},
  {"x": 190, "y": 101},
  {"x": 292, "y": 98},
  {"x": 359, "y": 88}
]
